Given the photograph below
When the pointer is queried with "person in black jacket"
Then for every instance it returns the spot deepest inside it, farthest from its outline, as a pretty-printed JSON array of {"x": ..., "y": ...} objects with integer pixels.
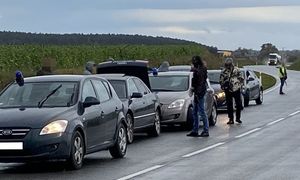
[{"x": 199, "y": 89}]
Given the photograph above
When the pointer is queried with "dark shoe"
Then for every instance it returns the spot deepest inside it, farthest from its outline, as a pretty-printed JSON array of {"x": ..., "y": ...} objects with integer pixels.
[
  {"x": 239, "y": 121},
  {"x": 282, "y": 93},
  {"x": 193, "y": 134},
  {"x": 204, "y": 134},
  {"x": 230, "y": 122}
]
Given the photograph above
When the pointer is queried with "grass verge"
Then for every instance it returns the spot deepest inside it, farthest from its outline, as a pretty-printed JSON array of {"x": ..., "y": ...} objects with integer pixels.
[{"x": 267, "y": 80}]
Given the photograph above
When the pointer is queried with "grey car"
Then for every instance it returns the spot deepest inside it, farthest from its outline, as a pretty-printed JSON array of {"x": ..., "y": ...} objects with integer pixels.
[{"x": 174, "y": 91}]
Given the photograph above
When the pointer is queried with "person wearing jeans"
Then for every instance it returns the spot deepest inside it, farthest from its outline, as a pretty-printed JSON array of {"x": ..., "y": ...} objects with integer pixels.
[
  {"x": 199, "y": 89},
  {"x": 199, "y": 109}
]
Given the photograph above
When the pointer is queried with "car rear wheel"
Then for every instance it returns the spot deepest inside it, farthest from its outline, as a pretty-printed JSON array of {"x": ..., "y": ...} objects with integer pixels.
[
  {"x": 260, "y": 99},
  {"x": 77, "y": 152},
  {"x": 120, "y": 147},
  {"x": 213, "y": 116},
  {"x": 155, "y": 129},
  {"x": 130, "y": 128}
]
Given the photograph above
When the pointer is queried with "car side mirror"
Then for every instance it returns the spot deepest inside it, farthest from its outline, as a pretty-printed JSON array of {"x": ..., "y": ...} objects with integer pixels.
[
  {"x": 90, "y": 101},
  {"x": 250, "y": 79},
  {"x": 136, "y": 95}
]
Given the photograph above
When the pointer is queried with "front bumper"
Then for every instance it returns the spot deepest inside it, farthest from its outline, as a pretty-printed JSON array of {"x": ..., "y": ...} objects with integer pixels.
[
  {"x": 173, "y": 116},
  {"x": 36, "y": 147}
]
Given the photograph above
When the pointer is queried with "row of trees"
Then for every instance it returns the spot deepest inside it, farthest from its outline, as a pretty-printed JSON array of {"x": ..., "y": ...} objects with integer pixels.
[{"x": 20, "y": 38}]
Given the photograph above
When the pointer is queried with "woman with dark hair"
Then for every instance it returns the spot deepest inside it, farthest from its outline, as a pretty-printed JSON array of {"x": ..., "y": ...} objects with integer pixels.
[{"x": 199, "y": 89}]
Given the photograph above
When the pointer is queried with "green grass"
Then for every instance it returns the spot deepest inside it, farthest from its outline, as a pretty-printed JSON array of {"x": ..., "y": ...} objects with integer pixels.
[
  {"x": 267, "y": 80},
  {"x": 295, "y": 66}
]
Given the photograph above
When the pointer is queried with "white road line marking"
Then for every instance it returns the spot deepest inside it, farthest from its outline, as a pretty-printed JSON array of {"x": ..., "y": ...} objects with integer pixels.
[
  {"x": 203, "y": 150},
  {"x": 294, "y": 113},
  {"x": 141, "y": 172},
  {"x": 247, "y": 133},
  {"x": 274, "y": 122}
]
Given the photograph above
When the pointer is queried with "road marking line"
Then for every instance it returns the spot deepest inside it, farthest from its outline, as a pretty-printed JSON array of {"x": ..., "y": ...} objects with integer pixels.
[
  {"x": 274, "y": 122},
  {"x": 141, "y": 172},
  {"x": 294, "y": 113},
  {"x": 203, "y": 150},
  {"x": 247, "y": 133},
  {"x": 272, "y": 89}
]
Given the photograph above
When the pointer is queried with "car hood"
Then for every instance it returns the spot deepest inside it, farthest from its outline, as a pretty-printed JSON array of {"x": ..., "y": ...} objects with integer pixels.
[
  {"x": 217, "y": 88},
  {"x": 32, "y": 117},
  {"x": 169, "y": 97}
]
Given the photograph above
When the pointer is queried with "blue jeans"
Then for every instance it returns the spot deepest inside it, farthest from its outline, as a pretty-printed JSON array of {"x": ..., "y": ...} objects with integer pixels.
[
  {"x": 282, "y": 81},
  {"x": 199, "y": 109}
]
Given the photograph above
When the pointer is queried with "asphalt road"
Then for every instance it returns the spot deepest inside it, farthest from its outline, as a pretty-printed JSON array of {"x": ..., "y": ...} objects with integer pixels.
[{"x": 265, "y": 146}]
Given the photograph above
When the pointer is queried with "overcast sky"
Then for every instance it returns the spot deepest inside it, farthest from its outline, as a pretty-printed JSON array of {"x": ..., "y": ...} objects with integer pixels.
[{"x": 227, "y": 24}]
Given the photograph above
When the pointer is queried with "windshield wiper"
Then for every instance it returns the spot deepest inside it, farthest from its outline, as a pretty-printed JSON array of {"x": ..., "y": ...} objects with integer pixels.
[{"x": 40, "y": 104}]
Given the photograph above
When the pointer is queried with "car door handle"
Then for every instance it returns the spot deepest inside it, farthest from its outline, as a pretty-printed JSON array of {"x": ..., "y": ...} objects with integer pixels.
[{"x": 102, "y": 114}]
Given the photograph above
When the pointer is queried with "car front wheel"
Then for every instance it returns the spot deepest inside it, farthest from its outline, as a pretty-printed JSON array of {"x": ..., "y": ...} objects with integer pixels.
[
  {"x": 155, "y": 129},
  {"x": 120, "y": 147},
  {"x": 213, "y": 116},
  {"x": 260, "y": 99},
  {"x": 130, "y": 128},
  {"x": 77, "y": 152}
]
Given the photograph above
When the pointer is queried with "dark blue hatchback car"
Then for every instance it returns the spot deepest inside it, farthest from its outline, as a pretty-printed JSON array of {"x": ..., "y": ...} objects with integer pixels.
[{"x": 61, "y": 117}]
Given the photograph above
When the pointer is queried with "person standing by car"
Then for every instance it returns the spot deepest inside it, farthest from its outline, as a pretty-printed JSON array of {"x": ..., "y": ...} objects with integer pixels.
[
  {"x": 199, "y": 90},
  {"x": 231, "y": 81},
  {"x": 89, "y": 68},
  {"x": 282, "y": 76}
]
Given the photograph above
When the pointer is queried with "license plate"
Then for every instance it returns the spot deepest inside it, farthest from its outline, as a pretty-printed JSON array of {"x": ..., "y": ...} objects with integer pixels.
[{"x": 11, "y": 145}]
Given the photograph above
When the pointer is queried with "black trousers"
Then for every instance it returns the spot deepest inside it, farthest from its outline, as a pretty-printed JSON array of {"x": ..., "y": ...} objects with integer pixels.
[{"x": 229, "y": 100}]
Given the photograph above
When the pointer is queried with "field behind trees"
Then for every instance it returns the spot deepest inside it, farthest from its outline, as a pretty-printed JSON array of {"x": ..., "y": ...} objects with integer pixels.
[{"x": 70, "y": 59}]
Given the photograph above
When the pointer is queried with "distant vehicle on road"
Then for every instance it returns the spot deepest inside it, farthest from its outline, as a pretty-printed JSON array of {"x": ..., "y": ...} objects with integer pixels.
[
  {"x": 61, "y": 117},
  {"x": 174, "y": 91},
  {"x": 274, "y": 59},
  {"x": 142, "y": 107}
]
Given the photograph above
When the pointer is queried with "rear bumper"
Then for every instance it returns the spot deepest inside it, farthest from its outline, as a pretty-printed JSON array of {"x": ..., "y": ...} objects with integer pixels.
[{"x": 36, "y": 147}]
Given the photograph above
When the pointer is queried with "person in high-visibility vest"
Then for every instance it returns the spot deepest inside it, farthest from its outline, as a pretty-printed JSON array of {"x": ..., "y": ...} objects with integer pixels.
[{"x": 283, "y": 76}]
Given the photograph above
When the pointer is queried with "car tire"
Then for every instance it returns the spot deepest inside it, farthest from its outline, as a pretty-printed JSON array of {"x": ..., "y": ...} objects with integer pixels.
[
  {"x": 155, "y": 129},
  {"x": 120, "y": 147},
  {"x": 260, "y": 99},
  {"x": 213, "y": 116},
  {"x": 130, "y": 128},
  {"x": 75, "y": 160},
  {"x": 189, "y": 119}
]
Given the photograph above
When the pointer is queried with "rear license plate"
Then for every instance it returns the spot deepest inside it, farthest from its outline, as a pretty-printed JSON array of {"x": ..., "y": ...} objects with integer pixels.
[{"x": 11, "y": 145}]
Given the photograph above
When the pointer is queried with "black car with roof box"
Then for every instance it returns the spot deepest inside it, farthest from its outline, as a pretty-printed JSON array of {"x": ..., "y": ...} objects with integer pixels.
[{"x": 142, "y": 107}]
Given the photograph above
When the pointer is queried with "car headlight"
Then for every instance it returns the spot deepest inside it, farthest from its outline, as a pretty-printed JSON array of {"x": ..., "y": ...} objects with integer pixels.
[
  {"x": 58, "y": 126},
  {"x": 177, "y": 104},
  {"x": 221, "y": 95}
]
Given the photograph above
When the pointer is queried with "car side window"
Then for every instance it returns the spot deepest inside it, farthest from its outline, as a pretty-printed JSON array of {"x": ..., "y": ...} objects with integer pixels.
[
  {"x": 108, "y": 88},
  {"x": 132, "y": 87},
  {"x": 101, "y": 91},
  {"x": 141, "y": 87},
  {"x": 88, "y": 90}
]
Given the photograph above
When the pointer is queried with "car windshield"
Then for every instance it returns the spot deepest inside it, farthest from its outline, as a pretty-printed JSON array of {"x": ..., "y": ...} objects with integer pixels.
[
  {"x": 31, "y": 94},
  {"x": 120, "y": 88},
  {"x": 169, "y": 83},
  {"x": 214, "y": 77},
  {"x": 272, "y": 56}
]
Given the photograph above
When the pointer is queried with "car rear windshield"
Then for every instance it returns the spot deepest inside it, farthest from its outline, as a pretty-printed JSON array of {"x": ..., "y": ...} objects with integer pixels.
[
  {"x": 214, "y": 77},
  {"x": 120, "y": 88},
  {"x": 169, "y": 83},
  {"x": 31, "y": 94}
]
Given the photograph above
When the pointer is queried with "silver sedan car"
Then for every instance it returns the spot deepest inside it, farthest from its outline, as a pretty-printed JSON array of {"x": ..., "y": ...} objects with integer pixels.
[{"x": 174, "y": 91}]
